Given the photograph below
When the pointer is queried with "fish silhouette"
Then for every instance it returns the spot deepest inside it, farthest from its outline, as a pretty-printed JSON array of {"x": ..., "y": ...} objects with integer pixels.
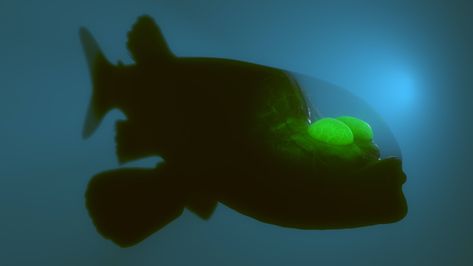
[{"x": 229, "y": 132}]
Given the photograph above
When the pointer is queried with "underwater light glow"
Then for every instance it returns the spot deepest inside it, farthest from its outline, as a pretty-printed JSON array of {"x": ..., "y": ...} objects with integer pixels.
[
  {"x": 392, "y": 92},
  {"x": 401, "y": 88}
]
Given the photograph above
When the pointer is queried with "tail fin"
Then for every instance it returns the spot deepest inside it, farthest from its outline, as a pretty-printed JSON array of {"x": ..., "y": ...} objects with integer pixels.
[
  {"x": 100, "y": 69},
  {"x": 128, "y": 205}
]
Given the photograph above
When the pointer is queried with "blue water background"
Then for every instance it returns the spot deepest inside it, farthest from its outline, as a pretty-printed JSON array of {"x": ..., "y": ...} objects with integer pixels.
[{"x": 412, "y": 61}]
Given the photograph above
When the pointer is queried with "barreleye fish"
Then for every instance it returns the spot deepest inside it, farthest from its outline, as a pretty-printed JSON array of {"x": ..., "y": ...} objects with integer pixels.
[{"x": 230, "y": 132}]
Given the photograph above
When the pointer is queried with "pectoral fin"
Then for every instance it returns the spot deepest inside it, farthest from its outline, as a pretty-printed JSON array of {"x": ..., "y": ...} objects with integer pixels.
[{"x": 129, "y": 204}]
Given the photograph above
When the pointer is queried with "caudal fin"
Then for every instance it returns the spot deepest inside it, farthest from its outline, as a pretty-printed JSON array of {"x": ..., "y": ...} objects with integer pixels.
[
  {"x": 100, "y": 69},
  {"x": 128, "y": 205}
]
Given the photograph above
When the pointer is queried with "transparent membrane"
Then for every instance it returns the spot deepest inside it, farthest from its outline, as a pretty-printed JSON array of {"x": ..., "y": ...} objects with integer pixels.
[{"x": 328, "y": 100}]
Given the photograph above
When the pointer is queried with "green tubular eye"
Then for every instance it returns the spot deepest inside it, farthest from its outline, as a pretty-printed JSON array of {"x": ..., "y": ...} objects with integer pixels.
[
  {"x": 331, "y": 131},
  {"x": 361, "y": 130}
]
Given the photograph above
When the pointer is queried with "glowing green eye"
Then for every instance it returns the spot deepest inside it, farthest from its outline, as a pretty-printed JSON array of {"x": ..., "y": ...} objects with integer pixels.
[
  {"x": 331, "y": 131},
  {"x": 361, "y": 130}
]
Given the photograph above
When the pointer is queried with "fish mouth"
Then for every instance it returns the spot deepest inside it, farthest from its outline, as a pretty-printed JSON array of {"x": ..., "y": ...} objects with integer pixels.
[
  {"x": 391, "y": 170},
  {"x": 369, "y": 196},
  {"x": 372, "y": 195}
]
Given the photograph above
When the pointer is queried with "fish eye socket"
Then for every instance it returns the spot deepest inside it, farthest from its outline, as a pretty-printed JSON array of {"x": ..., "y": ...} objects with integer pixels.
[
  {"x": 331, "y": 131},
  {"x": 361, "y": 130}
]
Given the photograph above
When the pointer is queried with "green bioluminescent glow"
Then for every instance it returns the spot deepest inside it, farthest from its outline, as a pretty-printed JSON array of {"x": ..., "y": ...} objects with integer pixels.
[
  {"x": 331, "y": 131},
  {"x": 360, "y": 129}
]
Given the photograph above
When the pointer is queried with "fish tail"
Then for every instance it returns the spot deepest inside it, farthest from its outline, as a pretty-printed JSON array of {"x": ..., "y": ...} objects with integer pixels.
[
  {"x": 129, "y": 204},
  {"x": 100, "y": 72}
]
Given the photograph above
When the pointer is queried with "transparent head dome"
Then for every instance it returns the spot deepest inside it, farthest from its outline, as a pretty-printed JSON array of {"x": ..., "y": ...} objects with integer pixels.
[{"x": 328, "y": 100}]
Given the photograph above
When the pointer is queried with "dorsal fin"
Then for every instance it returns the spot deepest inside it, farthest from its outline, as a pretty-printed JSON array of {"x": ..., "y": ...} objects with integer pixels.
[{"x": 146, "y": 42}]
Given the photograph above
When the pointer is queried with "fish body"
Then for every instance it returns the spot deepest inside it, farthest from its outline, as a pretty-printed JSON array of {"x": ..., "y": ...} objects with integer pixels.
[{"x": 229, "y": 132}]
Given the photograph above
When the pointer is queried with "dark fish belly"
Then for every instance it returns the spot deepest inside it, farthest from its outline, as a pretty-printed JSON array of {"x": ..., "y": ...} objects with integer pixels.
[{"x": 323, "y": 201}]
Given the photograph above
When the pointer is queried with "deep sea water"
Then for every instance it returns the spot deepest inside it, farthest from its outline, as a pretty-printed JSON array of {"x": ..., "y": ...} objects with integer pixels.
[{"x": 410, "y": 60}]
